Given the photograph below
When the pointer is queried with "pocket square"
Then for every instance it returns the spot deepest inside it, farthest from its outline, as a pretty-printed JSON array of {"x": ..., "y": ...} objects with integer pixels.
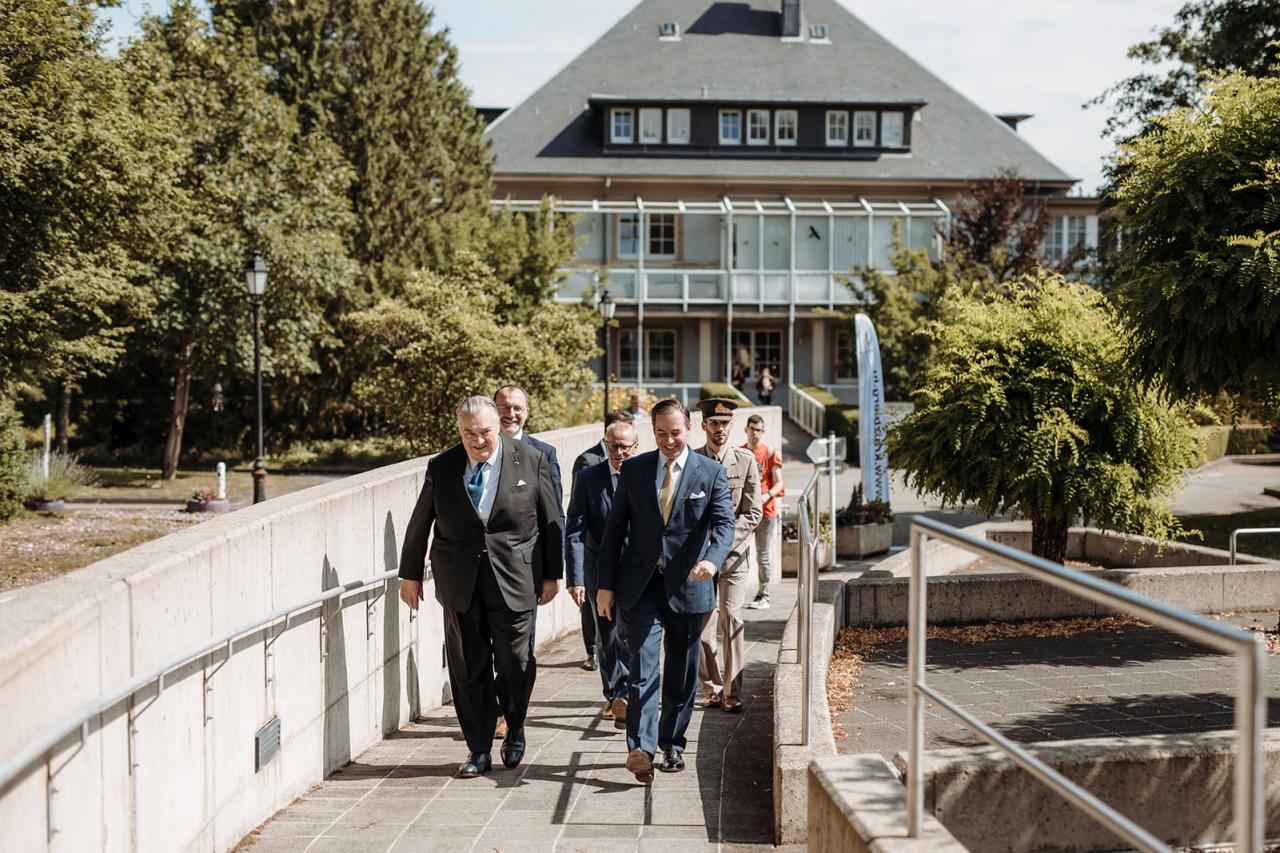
[
  {"x": 521, "y": 483},
  {"x": 697, "y": 495}
]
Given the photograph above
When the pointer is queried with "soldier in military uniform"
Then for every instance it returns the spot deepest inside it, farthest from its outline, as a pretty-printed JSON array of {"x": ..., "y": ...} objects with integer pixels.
[{"x": 721, "y": 672}]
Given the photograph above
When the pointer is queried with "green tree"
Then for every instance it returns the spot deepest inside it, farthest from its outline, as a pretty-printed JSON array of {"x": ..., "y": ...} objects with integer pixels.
[
  {"x": 249, "y": 180},
  {"x": 13, "y": 462},
  {"x": 1199, "y": 267},
  {"x": 1207, "y": 38},
  {"x": 1030, "y": 404},
  {"x": 443, "y": 341},
  {"x": 83, "y": 183}
]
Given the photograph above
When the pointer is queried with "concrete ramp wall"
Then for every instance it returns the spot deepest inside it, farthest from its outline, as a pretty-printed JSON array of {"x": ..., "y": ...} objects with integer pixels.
[{"x": 173, "y": 769}]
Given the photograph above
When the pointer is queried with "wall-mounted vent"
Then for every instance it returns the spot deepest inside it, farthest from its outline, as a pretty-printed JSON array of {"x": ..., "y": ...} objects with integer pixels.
[
  {"x": 266, "y": 743},
  {"x": 818, "y": 32},
  {"x": 669, "y": 30}
]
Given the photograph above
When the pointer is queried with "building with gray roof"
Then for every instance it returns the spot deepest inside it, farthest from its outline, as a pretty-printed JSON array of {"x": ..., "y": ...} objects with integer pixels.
[{"x": 730, "y": 161}]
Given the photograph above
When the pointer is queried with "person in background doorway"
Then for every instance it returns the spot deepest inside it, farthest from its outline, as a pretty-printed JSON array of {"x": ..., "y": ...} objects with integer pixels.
[
  {"x": 770, "y": 466},
  {"x": 764, "y": 387},
  {"x": 635, "y": 409}
]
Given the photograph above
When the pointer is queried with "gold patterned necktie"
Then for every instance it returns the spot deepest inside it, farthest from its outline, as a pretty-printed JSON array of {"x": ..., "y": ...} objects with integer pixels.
[{"x": 667, "y": 494}]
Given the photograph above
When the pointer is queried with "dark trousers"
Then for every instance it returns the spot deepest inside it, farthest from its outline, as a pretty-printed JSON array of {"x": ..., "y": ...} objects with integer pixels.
[
  {"x": 611, "y": 650},
  {"x": 486, "y": 636},
  {"x": 588, "y": 628},
  {"x": 653, "y": 628}
]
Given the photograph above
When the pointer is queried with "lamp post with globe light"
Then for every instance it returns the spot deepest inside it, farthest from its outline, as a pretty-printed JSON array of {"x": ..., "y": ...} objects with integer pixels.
[
  {"x": 607, "y": 307},
  {"x": 255, "y": 277}
]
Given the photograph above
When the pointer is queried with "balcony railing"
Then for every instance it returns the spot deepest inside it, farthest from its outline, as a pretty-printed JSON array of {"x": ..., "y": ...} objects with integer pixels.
[{"x": 710, "y": 286}]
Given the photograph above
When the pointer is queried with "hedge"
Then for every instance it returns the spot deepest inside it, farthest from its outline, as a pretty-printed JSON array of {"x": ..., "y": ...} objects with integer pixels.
[
  {"x": 1219, "y": 441},
  {"x": 721, "y": 389},
  {"x": 13, "y": 462},
  {"x": 838, "y": 418}
]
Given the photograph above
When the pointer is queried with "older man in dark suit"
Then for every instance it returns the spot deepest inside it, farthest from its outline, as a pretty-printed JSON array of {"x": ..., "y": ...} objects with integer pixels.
[
  {"x": 668, "y": 533},
  {"x": 496, "y": 554},
  {"x": 589, "y": 506}
]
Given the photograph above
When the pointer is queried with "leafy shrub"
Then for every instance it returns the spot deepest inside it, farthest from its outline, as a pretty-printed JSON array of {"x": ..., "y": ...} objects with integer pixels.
[
  {"x": 1250, "y": 439},
  {"x": 1213, "y": 443},
  {"x": 721, "y": 389},
  {"x": 13, "y": 462},
  {"x": 860, "y": 511},
  {"x": 66, "y": 474}
]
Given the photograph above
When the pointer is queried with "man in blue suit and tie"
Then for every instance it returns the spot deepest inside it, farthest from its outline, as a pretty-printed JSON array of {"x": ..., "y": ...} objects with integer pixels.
[
  {"x": 667, "y": 534},
  {"x": 593, "y": 489}
]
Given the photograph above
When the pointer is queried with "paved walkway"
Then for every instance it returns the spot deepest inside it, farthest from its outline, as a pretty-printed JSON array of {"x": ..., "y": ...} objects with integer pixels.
[
  {"x": 570, "y": 794},
  {"x": 1105, "y": 683}
]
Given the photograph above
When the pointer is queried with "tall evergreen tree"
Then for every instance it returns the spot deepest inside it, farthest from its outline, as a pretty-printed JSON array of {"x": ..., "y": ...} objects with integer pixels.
[
  {"x": 251, "y": 180},
  {"x": 376, "y": 78}
]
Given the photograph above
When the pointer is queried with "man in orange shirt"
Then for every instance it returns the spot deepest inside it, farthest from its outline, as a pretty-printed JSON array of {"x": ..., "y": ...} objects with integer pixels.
[{"x": 771, "y": 488}]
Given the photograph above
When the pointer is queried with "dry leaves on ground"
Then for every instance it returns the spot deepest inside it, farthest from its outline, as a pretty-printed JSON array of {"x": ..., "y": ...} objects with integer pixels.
[{"x": 855, "y": 645}]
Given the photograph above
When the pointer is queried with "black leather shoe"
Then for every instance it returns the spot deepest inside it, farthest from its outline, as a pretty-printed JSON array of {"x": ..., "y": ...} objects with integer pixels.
[
  {"x": 513, "y": 747},
  {"x": 477, "y": 765},
  {"x": 590, "y": 664},
  {"x": 672, "y": 762}
]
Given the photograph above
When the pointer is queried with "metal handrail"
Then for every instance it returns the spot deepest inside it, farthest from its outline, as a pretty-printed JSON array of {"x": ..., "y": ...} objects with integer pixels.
[
  {"x": 1250, "y": 709},
  {"x": 805, "y": 409},
  {"x": 804, "y": 599},
  {"x": 80, "y": 719},
  {"x": 1248, "y": 531}
]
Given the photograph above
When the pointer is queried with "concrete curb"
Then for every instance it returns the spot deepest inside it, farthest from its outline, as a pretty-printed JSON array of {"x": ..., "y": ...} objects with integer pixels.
[{"x": 790, "y": 759}]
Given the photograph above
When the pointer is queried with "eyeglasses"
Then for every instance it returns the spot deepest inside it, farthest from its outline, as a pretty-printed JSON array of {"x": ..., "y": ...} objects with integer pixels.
[{"x": 614, "y": 447}]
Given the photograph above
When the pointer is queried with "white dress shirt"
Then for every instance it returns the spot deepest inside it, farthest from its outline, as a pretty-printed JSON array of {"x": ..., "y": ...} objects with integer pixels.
[
  {"x": 489, "y": 478},
  {"x": 681, "y": 461}
]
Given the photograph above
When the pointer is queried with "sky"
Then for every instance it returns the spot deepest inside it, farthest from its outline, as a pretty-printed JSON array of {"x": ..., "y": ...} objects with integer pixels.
[{"x": 1042, "y": 57}]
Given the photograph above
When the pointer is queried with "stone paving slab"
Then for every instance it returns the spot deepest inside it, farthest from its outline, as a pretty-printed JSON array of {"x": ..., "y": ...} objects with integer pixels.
[
  {"x": 571, "y": 793},
  {"x": 1131, "y": 681}
]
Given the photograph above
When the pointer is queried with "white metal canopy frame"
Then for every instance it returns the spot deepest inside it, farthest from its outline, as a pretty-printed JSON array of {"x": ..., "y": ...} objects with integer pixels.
[{"x": 1250, "y": 705}]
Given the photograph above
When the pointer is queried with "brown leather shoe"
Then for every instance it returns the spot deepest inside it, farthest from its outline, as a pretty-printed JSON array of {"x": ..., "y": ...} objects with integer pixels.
[
  {"x": 732, "y": 705},
  {"x": 607, "y": 713},
  {"x": 640, "y": 763},
  {"x": 619, "y": 707},
  {"x": 711, "y": 700},
  {"x": 500, "y": 730}
]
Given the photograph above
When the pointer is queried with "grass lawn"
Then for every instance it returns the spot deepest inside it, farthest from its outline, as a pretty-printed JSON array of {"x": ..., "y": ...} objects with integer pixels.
[
  {"x": 144, "y": 484},
  {"x": 1217, "y": 531}
]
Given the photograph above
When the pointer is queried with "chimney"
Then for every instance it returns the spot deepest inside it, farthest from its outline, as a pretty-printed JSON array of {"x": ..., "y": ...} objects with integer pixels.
[{"x": 790, "y": 19}]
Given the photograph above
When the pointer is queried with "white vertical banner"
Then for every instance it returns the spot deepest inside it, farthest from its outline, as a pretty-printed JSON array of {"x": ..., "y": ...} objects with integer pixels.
[{"x": 871, "y": 413}]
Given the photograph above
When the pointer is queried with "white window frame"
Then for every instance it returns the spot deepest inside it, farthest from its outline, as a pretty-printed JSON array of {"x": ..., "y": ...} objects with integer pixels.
[
  {"x": 777, "y": 127},
  {"x": 653, "y": 220},
  {"x": 629, "y": 221},
  {"x": 650, "y": 118},
  {"x": 902, "y": 129},
  {"x": 843, "y": 139},
  {"x": 672, "y": 137},
  {"x": 735, "y": 140},
  {"x": 616, "y": 114},
  {"x": 754, "y": 114},
  {"x": 859, "y": 118}
]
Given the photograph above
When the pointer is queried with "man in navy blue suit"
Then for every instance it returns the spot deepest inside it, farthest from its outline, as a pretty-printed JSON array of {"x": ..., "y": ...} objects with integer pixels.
[
  {"x": 667, "y": 534},
  {"x": 593, "y": 489},
  {"x": 513, "y": 411}
]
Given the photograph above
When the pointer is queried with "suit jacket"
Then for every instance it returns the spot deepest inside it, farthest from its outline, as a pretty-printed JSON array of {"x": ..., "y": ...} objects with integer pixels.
[
  {"x": 700, "y": 528},
  {"x": 589, "y": 506},
  {"x": 591, "y": 456},
  {"x": 524, "y": 522},
  {"x": 744, "y": 495},
  {"x": 553, "y": 464}
]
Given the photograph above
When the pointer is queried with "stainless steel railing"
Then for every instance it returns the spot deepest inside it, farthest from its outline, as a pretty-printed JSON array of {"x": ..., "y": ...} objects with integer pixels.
[
  {"x": 40, "y": 750},
  {"x": 1248, "y": 531},
  {"x": 1250, "y": 706},
  {"x": 807, "y": 581}
]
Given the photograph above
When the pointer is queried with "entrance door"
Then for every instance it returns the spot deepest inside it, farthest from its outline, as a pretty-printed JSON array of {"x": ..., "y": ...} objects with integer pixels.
[{"x": 754, "y": 350}]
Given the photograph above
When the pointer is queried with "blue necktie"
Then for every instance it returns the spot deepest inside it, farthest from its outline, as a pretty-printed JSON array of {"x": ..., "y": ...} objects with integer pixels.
[{"x": 475, "y": 486}]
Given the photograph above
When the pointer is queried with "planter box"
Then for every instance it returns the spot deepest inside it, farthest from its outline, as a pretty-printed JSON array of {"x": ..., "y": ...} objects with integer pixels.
[
  {"x": 791, "y": 557},
  {"x": 863, "y": 540},
  {"x": 218, "y": 505}
]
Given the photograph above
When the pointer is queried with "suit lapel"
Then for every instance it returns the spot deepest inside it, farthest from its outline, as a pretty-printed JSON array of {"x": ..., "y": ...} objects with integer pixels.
[
  {"x": 685, "y": 484},
  {"x": 508, "y": 476},
  {"x": 456, "y": 480},
  {"x": 650, "y": 469}
]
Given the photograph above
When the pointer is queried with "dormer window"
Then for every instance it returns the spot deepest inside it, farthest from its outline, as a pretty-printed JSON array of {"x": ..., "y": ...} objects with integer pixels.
[
  {"x": 669, "y": 30},
  {"x": 786, "y": 125},
  {"x": 818, "y": 32},
  {"x": 891, "y": 130},
  {"x": 730, "y": 127},
  {"x": 837, "y": 127},
  {"x": 620, "y": 127},
  {"x": 650, "y": 126},
  {"x": 864, "y": 129},
  {"x": 757, "y": 127},
  {"x": 678, "y": 126}
]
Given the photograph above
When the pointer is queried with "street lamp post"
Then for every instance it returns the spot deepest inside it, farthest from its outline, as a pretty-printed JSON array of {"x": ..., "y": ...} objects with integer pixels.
[
  {"x": 607, "y": 307},
  {"x": 255, "y": 277}
]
